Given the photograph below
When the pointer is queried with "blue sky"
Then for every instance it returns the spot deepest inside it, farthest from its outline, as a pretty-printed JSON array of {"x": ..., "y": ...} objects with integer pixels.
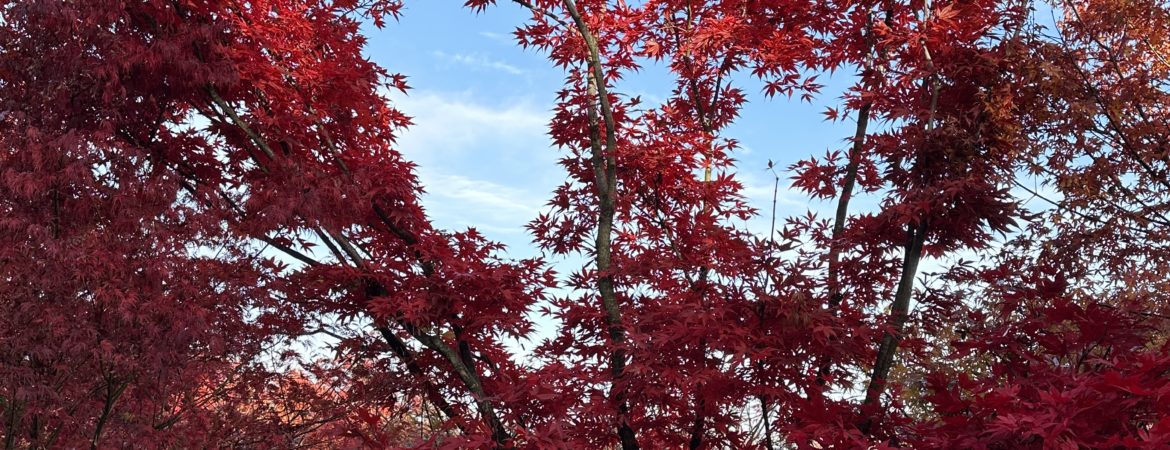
[{"x": 481, "y": 106}]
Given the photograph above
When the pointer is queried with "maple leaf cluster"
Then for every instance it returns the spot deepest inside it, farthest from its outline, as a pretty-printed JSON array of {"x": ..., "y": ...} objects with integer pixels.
[{"x": 209, "y": 239}]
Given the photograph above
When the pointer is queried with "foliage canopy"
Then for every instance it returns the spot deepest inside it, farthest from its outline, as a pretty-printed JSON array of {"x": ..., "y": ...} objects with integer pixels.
[{"x": 187, "y": 187}]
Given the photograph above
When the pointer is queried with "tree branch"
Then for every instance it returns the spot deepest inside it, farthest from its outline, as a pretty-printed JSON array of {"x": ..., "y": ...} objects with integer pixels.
[{"x": 605, "y": 173}]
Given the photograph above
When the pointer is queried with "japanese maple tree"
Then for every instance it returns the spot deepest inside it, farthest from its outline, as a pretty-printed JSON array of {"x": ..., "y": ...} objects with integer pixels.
[{"x": 210, "y": 238}]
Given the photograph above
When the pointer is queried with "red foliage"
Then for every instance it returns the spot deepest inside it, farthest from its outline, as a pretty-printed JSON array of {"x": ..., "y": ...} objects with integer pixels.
[{"x": 208, "y": 238}]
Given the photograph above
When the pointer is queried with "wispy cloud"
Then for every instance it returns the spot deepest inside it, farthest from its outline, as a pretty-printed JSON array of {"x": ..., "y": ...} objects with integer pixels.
[
  {"x": 498, "y": 37},
  {"x": 460, "y": 202},
  {"x": 449, "y": 125},
  {"x": 477, "y": 61},
  {"x": 483, "y": 164},
  {"x": 759, "y": 186}
]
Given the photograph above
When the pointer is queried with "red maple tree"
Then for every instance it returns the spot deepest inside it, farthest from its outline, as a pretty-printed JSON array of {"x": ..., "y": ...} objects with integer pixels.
[{"x": 189, "y": 189}]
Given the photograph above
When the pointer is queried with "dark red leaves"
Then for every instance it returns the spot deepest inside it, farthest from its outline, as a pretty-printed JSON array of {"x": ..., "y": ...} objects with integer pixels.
[{"x": 208, "y": 239}]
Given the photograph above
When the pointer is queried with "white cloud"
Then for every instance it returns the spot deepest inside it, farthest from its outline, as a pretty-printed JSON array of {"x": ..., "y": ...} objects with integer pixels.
[
  {"x": 457, "y": 201},
  {"x": 455, "y": 124},
  {"x": 742, "y": 150},
  {"x": 477, "y": 61},
  {"x": 487, "y": 165},
  {"x": 760, "y": 185},
  {"x": 498, "y": 37}
]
